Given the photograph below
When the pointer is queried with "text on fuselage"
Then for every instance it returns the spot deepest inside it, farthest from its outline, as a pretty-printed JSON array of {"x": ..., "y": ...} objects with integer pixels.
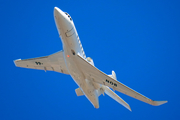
[{"x": 110, "y": 82}]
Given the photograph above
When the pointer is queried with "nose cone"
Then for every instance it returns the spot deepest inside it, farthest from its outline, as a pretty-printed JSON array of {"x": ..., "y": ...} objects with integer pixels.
[
  {"x": 57, "y": 10},
  {"x": 58, "y": 13},
  {"x": 62, "y": 21}
]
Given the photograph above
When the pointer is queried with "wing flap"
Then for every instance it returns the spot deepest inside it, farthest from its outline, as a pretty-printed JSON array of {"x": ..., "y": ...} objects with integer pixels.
[
  {"x": 101, "y": 78},
  {"x": 54, "y": 62}
]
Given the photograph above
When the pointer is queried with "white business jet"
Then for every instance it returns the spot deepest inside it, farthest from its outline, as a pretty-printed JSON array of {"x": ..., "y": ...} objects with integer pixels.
[{"x": 72, "y": 61}]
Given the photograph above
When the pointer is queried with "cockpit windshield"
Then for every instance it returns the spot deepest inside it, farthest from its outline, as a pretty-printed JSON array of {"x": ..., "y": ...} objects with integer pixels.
[{"x": 68, "y": 16}]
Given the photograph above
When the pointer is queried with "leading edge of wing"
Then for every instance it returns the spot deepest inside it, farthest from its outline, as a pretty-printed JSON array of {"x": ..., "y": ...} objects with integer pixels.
[{"x": 104, "y": 79}]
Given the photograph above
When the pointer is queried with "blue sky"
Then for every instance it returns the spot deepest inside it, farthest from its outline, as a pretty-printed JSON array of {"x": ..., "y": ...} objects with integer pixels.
[{"x": 139, "y": 40}]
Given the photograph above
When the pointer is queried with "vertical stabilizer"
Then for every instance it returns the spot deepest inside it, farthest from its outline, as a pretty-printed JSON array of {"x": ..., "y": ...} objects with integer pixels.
[{"x": 114, "y": 96}]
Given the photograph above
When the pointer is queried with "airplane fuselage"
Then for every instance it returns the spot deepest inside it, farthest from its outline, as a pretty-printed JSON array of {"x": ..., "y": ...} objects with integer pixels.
[
  {"x": 72, "y": 61},
  {"x": 71, "y": 47}
]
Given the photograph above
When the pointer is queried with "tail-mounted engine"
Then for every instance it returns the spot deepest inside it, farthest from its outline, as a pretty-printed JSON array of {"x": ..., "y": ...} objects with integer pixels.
[
  {"x": 113, "y": 75},
  {"x": 90, "y": 60}
]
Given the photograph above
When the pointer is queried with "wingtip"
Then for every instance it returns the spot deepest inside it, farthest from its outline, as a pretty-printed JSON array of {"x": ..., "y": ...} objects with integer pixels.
[
  {"x": 130, "y": 109},
  {"x": 15, "y": 61},
  {"x": 157, "y": 103}
]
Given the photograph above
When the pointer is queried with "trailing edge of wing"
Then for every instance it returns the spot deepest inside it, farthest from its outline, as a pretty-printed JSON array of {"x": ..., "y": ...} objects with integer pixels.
[{"x": 98, "y": 76}]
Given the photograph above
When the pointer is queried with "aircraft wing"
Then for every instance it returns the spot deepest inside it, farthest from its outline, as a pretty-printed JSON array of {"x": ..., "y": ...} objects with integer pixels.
[
  {"x": 99, "y": 77},
  {"x": 54, "y": 62}
]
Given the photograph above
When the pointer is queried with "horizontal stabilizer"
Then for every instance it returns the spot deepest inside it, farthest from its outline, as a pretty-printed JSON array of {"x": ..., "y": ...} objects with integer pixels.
[
  {"x": 114, "y": 96},
  {"x": 157, "y": 103},
  {"x": 79, "y": 92}
]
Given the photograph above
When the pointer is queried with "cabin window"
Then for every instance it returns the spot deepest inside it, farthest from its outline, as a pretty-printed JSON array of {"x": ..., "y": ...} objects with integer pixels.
[{"x": 107, "y": 81}]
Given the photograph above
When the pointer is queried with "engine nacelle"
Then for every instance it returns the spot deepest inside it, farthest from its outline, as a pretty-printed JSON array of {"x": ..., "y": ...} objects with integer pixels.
[
  {"x": 113, "y": 75},
  {"x": 90, "y": 60}
]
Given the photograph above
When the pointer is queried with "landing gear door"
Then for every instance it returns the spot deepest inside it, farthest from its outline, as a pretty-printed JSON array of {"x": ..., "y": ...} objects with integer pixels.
[{"x": 69, "y": 33}]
